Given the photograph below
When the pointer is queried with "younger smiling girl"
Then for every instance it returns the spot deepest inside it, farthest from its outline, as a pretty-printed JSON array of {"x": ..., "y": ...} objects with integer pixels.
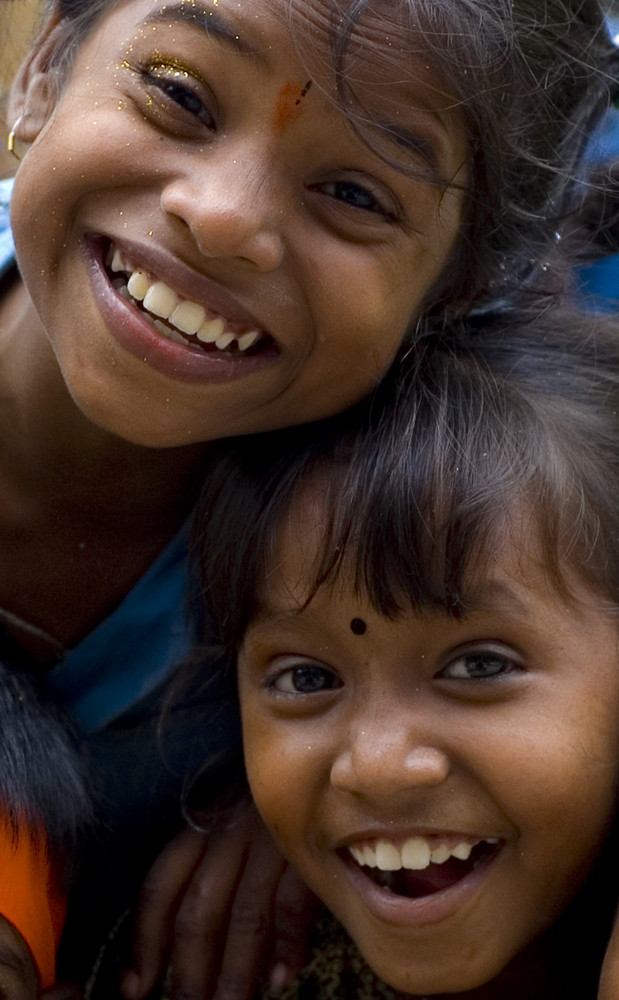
[
  {"x": 216, "y": 236},
  {"x": 424, "y": 608}
]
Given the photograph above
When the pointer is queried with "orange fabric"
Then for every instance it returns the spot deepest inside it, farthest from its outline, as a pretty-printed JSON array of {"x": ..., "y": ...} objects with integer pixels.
[{"x": 29, "y": 896}]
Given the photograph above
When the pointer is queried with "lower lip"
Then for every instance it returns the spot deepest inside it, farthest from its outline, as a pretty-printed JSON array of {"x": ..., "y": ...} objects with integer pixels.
[
  {"x": 424, "y": 911},
  {"x": 136, "y": 336}
]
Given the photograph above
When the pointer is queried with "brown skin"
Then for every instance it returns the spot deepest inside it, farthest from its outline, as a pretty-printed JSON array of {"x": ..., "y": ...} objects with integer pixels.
[
  {"x": 77, "y": 485},
  {"x": 102, "y": 452},
  {"x": 499, "y": 726}
]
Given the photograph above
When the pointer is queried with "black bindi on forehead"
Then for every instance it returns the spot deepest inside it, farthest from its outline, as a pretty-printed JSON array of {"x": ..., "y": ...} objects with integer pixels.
[{"x": 358, "y": 626}]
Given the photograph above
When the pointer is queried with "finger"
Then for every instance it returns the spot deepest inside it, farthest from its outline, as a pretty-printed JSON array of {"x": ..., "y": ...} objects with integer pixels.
[
  {"x": 296, "y": 908},
  {"x": 156, "y": 910},
  {"x": 251, "y": 925},
  {"x": 205, "y": 914}
]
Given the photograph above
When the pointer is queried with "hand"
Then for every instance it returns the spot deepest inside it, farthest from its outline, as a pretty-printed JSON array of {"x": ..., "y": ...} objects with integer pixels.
[{"x": 221, "y": 909}]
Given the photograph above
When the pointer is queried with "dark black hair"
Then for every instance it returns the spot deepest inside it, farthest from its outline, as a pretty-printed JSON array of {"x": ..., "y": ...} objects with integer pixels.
[
  {"x": 533, "y": 77},
  {"x": 43, "y": 779},
  {"x": 502, "y": 416}
]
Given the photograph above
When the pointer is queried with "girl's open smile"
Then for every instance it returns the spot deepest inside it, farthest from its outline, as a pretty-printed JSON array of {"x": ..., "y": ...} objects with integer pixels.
[
  {"x": 420, "y": 865},
  {"x": 438, "y": 781},
  {"x": 140, "y": 309},
  {"x": 251, "y": 265}
]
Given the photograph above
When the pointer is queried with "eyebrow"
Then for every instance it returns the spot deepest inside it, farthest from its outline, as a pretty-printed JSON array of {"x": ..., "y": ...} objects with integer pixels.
[
  {"x": 209, "y": 21},
  {"x": 412, "y": 142},
  {"x": 495, "y": 595},
  {"x": 273, "y": 617},
  {"x": 214, "y": 25}
]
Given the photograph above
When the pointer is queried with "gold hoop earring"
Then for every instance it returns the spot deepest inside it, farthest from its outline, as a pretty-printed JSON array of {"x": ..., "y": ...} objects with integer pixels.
[{"x": 10, "y": 139}]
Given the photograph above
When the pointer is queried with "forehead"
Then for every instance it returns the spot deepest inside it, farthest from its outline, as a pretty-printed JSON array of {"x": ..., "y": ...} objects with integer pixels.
[
  {"x": 379, "y": 65},
  {"x": 376, "y": 66},
  {"x": 510, "y": 569}
]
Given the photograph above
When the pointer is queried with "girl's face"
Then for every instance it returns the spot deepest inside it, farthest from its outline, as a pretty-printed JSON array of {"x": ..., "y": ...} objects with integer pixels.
[
  {"x": 444, "y": 786},
  {"x": 194, "y": 165}
]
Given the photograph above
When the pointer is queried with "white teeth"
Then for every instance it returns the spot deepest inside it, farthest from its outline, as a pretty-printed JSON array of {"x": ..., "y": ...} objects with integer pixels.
[
  {"x": 416, "y": 854},
  {"x": 248, "y": 340},
  {"x": 186, "y": 316},
  {"x": 462, "y": 851},
  {"x": 357, "y": 854},
  {"x": 388, "y": 857},
  {"x": 440, "y": 854},
  {"x": 168, "y": 332},
  {"x": 160, "y": 300},
  {"x": 224, "y": 341},
  {"x": 210, "y": 331},
  {"x": 138, "y": 285},
  {"x": 369, "y": 855},
  {"x": 117, "y": 263}
]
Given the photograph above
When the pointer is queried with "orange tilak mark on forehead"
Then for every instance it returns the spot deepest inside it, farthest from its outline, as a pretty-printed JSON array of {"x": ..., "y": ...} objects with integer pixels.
[{"x": 288, "y": 105}]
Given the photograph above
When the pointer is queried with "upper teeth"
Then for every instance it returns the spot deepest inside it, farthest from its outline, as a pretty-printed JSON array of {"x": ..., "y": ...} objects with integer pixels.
[
  {"x": 415, "y": 854},
  {"x": 188, "y": 317}
]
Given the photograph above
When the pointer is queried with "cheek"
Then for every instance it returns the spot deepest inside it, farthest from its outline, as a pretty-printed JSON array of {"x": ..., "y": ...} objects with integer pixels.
[
  {"x": 280, "y": 774},
  {"x": 562, "y": 793},
  {"x": 262, "y": 755}
]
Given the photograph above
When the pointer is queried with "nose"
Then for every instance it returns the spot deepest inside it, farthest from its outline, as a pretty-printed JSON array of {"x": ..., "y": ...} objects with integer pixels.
[
  {"x": 232, "y": 209},
  {"x": 383, "y": 759}
]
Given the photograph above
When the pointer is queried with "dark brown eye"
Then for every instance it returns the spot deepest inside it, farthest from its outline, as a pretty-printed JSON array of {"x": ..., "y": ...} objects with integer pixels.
[{"x": 169, "y": 82}]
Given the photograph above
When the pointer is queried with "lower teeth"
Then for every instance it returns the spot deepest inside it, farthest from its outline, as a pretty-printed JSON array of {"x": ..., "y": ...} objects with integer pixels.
[{"x": 168, "y": 331}]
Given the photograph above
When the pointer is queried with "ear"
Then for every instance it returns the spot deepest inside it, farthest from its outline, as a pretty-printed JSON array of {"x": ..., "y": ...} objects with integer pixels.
[{"x": 34, "y": 90}]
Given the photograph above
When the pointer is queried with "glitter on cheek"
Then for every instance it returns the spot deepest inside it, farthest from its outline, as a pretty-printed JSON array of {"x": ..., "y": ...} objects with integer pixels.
[{"x": 288, "y": 105}]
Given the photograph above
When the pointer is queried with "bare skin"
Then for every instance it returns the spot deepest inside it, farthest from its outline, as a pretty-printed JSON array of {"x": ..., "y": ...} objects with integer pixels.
[
  {"x": 104, "y": 444},
  {"x": 61, "y": 509}
]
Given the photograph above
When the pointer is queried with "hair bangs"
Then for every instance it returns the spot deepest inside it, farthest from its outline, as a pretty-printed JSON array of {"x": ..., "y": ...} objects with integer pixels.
[{"x": 418, "y": 506}]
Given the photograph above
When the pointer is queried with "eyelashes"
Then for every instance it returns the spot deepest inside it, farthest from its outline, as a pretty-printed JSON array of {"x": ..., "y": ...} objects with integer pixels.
[
  {"x": 175, "y": 95},
  {"x": 178, "y": 101},
  {"x": 305, "y": 679},
  {"x": 356, "y": 196},
  {"x": 480, "y": 665}
]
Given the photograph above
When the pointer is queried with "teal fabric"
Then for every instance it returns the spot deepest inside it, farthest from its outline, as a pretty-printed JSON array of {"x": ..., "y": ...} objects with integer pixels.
[{"x": 130, "y": 653}]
